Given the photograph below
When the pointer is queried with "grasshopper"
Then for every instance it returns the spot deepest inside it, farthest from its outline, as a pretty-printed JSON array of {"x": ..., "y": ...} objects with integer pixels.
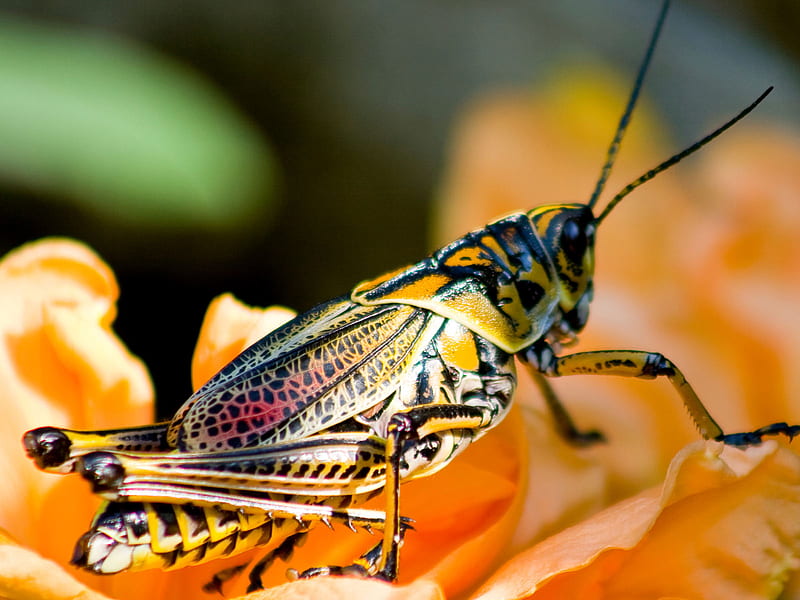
[{"x": 359, "y": 394}]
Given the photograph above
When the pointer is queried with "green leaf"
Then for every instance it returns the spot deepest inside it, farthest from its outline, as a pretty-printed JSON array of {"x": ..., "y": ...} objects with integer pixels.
[{"x": 124, "y": 131}]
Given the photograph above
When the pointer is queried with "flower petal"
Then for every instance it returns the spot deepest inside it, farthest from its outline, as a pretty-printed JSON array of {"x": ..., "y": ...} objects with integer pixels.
[
  {"x": 726, "y": 524},
  {"x": 60, "y": 364},
  {"x": 342, "y": 588},
  {"x": 27, "y": 576}
]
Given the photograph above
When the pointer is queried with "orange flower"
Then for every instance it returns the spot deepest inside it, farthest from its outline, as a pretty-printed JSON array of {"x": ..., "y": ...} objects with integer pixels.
[
  {"x": 61, "y": 364},
  {"x": 710, "y": 284},
  {"x": 689, "y": 280}
]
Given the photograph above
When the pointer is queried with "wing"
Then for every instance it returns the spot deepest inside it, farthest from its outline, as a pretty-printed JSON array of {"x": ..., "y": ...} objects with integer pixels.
[{"x": 322, "y": 368}]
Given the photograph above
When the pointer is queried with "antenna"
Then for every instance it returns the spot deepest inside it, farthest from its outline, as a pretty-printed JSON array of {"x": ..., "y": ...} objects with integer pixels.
[
  {"x": 679, "y": 156},
  {"x": 613, "y": 149}
]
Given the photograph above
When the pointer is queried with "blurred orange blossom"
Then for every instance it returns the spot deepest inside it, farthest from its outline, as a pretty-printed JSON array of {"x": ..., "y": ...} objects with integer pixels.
[{"x": 708, "y": 283}]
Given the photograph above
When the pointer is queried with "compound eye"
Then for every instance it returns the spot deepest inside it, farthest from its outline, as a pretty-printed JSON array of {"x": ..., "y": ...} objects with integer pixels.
[{"x": 574, "y": 240}]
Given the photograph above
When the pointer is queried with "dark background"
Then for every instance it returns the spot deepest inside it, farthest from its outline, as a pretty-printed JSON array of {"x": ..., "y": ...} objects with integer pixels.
[{"x": 356, "y": 100}]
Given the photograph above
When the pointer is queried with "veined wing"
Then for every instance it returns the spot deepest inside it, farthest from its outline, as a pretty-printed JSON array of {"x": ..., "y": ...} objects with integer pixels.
[{"x": 308, "y": 375}]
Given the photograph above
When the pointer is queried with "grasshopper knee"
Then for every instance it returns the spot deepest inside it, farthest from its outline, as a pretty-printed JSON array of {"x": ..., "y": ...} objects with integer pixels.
[
  {"x": 655, "y": 365},
  {"x": 47, "y": 446},
  {"x": 541, "y": 357},
  {"x": 102, "y": 470}
]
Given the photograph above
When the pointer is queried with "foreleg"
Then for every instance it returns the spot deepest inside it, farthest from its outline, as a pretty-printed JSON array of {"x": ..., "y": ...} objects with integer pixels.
[{"x": 646, "y": 365}]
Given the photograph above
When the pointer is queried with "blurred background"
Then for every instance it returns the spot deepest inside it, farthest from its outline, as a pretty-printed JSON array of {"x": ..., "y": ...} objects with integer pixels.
[{"x": 284, "y": 151}]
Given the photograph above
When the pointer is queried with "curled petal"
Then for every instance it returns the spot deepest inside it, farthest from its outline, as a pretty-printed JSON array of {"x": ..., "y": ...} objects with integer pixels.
[
  {"x": 60, "y": 364},
  {"x": 726, "y": 524},
  {"x": 27, "y": 576}
]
